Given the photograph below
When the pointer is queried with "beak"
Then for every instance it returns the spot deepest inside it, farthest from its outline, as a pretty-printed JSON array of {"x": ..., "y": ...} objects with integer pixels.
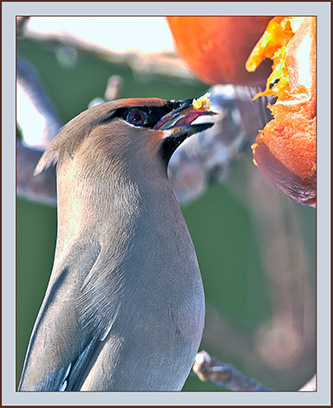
[
  {"x": 183, "y": 114},
  {"x": 178, "y": 124}
]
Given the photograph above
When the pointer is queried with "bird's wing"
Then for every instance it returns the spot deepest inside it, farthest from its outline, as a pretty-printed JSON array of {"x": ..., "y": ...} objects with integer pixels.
[{"x": 68, "y": 327}]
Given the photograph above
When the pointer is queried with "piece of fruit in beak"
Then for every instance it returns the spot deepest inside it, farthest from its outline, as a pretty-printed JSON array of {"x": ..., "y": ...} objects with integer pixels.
[{"x": 186, "y": 114}]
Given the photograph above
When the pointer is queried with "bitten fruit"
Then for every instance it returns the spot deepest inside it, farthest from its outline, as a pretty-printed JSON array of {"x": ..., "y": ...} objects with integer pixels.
[{"x": 285, "y": 150}]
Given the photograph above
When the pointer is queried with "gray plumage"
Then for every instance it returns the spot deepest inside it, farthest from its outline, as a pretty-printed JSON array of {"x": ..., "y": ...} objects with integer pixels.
[{"x": 124, "y": 307}]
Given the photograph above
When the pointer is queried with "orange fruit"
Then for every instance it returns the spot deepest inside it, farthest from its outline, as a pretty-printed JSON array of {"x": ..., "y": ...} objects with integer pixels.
[
  {"x": 285, "y": 150},
  {"x": 216, "y": 48}
]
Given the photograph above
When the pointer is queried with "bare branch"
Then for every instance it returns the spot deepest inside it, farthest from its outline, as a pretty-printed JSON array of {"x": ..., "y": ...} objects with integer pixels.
[
  {"x": 150, "y": 66},
  {"x": 36, "y": 114},
  {"x": 112, "y": 91},
  {"x": 208, "y": 368},
  {"x": 205, "y": 157}
]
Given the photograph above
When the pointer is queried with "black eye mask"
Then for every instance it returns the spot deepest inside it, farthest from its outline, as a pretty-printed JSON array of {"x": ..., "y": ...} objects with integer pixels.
[{"x": 152, "y": 113}]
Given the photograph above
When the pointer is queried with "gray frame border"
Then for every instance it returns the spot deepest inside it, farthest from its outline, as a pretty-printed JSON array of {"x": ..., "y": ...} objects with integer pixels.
[{"x": 9, "y": 10}]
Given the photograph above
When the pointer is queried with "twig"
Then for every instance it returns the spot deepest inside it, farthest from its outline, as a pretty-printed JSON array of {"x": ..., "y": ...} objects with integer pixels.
[
  {"x": 205, "y": 157},
  {"x": 112, "y": 91},
  {"x": 150, "y": 66},
  {"x": 208, "y": 368},
  {"x": 38, "y": 131}
]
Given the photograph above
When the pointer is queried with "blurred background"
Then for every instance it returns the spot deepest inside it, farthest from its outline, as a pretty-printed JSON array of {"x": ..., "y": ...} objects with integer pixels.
[{"x": 256, "y": 248}]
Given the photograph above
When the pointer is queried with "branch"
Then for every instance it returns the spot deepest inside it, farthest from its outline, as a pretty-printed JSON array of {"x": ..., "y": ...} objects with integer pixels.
[
  {"x": 147, "y": 66},
  {"x": 36, "y": 114},
  {"x": 208, "y": 368},
  {"x": 41, "y": 188},
  {"x": 204, "y": 158},
  {"x": 207, "y": 156}
]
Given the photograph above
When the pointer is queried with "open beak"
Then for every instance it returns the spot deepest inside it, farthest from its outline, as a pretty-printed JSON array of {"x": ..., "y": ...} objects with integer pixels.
[
  {"x": 178, "y": 124},
  {"x": 184, "y": 113}
]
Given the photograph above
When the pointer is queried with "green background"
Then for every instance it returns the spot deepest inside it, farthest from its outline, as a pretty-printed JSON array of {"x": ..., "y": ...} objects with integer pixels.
[{"x": 223, "y": 225}]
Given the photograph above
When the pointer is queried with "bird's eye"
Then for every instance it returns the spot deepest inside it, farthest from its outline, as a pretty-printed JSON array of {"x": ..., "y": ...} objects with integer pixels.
[{"x": 137, "y": 117}]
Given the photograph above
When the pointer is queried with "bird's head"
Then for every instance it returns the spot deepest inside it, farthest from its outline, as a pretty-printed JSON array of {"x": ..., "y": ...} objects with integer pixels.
[{"x": 128, "y": 130}]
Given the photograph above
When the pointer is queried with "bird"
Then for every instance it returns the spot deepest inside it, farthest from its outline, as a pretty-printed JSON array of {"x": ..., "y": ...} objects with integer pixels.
[{"x": 124, "y": 308}]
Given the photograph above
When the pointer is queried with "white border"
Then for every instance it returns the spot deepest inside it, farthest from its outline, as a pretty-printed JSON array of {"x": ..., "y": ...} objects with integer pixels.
[{"x": 9, "y": 11}]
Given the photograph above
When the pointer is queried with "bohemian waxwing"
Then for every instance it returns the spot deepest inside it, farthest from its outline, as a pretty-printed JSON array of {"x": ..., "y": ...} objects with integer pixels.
[{"x": 124, "y": 307}]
